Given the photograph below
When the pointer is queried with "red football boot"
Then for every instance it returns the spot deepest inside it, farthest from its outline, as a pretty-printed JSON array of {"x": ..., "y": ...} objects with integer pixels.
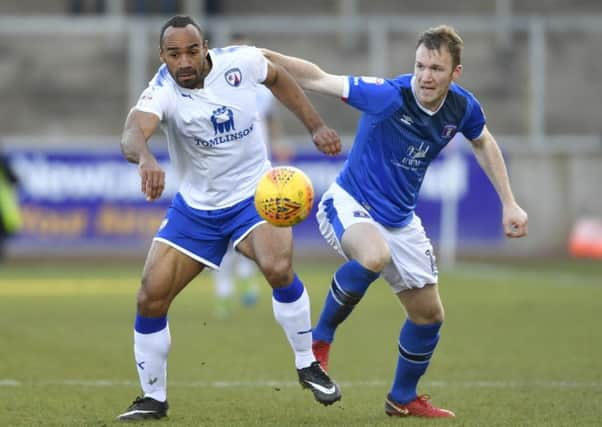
[
  {"x": 321, "y": 350},
  {"x": 419, "y": 407}
]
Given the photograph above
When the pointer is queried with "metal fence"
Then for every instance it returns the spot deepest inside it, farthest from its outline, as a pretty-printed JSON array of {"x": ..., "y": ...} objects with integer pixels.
[{"x": 536, "y": 76}]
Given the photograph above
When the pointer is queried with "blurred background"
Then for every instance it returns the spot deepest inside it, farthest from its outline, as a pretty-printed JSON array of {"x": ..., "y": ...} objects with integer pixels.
[
  {"x": 74, "y": 227},
  {"x": 71, "y": 70}
]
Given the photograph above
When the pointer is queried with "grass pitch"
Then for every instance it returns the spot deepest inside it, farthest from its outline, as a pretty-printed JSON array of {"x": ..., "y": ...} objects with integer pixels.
[{"x": 520, "y": 347}]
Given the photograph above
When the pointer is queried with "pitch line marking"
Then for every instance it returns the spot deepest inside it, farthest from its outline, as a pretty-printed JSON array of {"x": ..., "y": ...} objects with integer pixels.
[{"x": 347, "y": 384}]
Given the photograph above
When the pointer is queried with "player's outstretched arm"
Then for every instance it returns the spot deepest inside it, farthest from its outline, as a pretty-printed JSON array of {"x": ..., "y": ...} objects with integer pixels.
[
  {"x": 139, "y": 126},
  {"x": 307, "y": 74},
  {"x": 490, "y": 158},
  {"x": 284, "y": 87}
]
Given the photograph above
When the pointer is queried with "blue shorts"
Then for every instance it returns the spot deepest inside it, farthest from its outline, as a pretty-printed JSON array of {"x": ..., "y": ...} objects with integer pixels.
[{"x": 204, "y": 235}]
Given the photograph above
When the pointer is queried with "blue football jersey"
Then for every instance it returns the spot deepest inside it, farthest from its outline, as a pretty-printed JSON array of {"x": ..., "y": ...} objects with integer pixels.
[{"x": 397, "y": 139}]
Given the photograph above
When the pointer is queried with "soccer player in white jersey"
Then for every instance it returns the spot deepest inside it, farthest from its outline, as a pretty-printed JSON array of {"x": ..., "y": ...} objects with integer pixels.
[
  {"x": 236, "y": 270},
  {"x": 205, "y": 102},
  {"x": 368, "y": 216}
]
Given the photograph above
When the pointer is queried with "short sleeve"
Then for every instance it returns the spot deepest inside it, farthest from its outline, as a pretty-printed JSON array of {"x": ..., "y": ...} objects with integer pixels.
[
  {"x": 474, "y": 122},
  {"x": 372, "y": 95},
  {"x": 254, "y": 63},
  {"x": 156, "y": 97}
]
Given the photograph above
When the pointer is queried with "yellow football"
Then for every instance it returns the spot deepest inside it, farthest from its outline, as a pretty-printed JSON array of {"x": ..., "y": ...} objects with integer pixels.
[{"x": 284, "y": 196}]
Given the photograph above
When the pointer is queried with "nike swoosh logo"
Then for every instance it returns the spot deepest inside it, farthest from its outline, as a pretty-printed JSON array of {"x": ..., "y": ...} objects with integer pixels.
[{"x": 329, "y": 390}]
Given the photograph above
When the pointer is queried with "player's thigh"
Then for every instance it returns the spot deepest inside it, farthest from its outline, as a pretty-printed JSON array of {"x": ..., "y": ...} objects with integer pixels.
[
  {"x": 272, "y": 249},
  {"x": 413, "y": 264},
  {"x": 166, "y": 272},
  {"x": 349, "y": 228},
  {"x": 364, "y": 243}
]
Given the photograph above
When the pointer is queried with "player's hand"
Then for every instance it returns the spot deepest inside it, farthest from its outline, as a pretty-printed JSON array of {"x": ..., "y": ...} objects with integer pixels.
[
  {"x": 152, "y": 178},
  {"x": 515, "y": 221},
  {"x": 327, "y": 140}
]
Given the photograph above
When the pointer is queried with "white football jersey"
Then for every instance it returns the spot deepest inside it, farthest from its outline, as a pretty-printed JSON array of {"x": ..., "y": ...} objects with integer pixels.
[
  {"x": 214, "y": 138},
  {"x": 266, "y": 107}
]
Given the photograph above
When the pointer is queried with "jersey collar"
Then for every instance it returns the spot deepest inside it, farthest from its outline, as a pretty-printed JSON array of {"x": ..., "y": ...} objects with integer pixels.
[{"x": 426, "y": 110}]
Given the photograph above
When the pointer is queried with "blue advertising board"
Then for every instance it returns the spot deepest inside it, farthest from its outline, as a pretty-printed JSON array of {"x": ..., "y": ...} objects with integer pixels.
[{"x": 75, "y": 200}]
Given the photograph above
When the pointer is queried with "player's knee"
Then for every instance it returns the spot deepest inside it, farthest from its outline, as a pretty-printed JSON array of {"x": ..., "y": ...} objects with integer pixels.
[
  {"x": 429, "y": 315},
  {"x": 375, "y": 259},
  {"x": 151, "y": 304},
  {"x": 437, "y": 315},
  {"x": 278, "y": 271}
]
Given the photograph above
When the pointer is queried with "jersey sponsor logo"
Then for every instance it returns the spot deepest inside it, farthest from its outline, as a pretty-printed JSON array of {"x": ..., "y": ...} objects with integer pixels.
[
  {"x": 418, "y": 153},
  {"x": 223, "y": 120},
  {"x": 224, "y": 138},
  {"x": 413, "y": 158},
  {"x": 233, "y": 77},
  {"x": 448, "y": 131},
  {"x": 372, "y": 80}
]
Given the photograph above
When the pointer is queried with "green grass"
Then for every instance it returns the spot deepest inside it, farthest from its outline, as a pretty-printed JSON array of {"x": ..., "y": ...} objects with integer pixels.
[{"x": 521, "y": 346}]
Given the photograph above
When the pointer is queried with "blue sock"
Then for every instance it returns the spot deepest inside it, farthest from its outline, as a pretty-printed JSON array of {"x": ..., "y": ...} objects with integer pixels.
[
  {"x": 349, "y": 285},
  {"x": 289, "y": 293},
  {"x": 416, "y": 346},
  {"x": 149, "y": 325}
]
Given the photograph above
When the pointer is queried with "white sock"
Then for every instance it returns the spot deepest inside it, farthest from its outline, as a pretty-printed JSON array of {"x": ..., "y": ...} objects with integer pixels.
[
  {"x": 223, "y": 280},
  {"x": 294, "y": 317},
  {"x": 151, "y": 352},
  {"x": 245, "y": 268}
]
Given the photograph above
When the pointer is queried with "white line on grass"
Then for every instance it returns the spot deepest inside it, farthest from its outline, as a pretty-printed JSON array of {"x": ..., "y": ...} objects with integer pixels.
[{"x": 286, "y": 384}]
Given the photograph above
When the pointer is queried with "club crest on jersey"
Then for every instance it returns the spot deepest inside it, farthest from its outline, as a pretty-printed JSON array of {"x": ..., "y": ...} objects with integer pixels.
[
  {"x": 233, "y": 77},
  {"x": 222, "y": 120},
  {"x": 448, "y": 131}
]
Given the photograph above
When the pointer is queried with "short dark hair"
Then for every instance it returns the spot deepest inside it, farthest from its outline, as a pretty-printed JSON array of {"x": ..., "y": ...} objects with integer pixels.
[
  {"x": 178, "y": 21},
  {"x": 443, "y": 35}
]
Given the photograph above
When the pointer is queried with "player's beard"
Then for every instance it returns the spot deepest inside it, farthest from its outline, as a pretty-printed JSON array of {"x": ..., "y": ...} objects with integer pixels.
[{"x": 188, "y": 78}]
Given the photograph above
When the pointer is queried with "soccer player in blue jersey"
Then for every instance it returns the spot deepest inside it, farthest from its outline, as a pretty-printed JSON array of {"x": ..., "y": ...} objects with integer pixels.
[
  {"x": 205, "y": 100},
  {"x": 368, "y": 216}
]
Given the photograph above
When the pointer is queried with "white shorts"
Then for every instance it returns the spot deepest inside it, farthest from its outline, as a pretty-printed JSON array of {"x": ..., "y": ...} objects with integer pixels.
[{"x": 413, "y": 263}]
